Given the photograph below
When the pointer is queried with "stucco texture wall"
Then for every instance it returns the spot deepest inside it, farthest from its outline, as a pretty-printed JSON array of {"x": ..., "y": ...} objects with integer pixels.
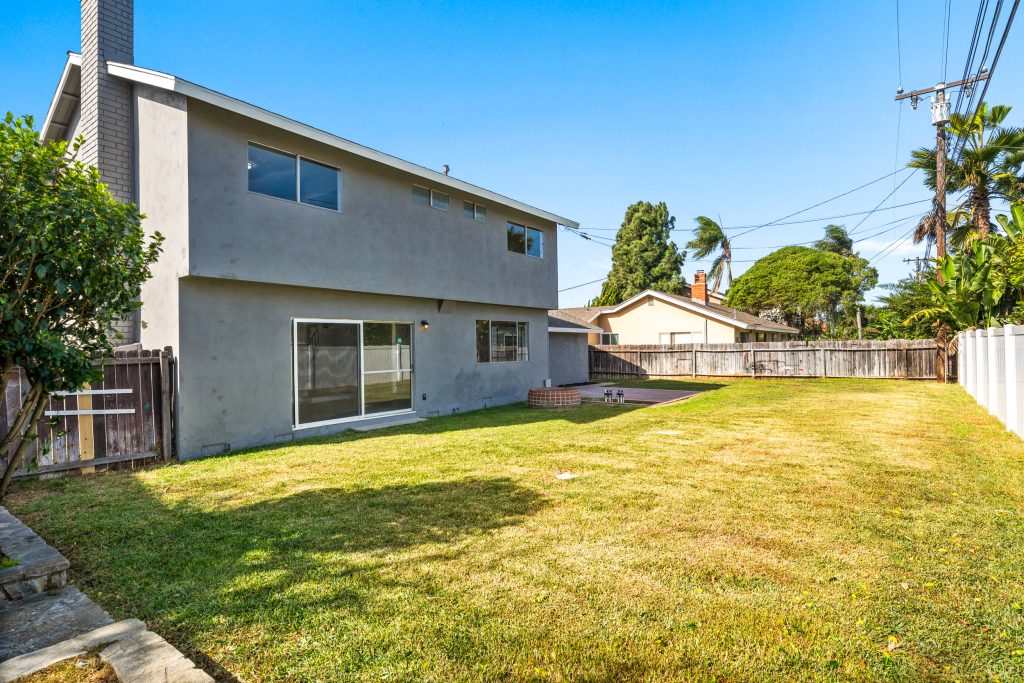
[
  {"x": 568, "y": 357},
  {"x": 235, "y": 360},
  {"x": 644, "y": 321},
  {"x": 380, "y": 241}
]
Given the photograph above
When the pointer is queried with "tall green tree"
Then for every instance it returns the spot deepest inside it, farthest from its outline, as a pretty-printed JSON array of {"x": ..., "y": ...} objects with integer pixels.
[
  {"x": 807, "y": 287},
  {"x": 988, "y": 168},
  {"x": 643, "y": 256},
  {"x": 73, "y": 262},
  {"x": 836, "y": 240},
  {"x": 708, "y": 239}
]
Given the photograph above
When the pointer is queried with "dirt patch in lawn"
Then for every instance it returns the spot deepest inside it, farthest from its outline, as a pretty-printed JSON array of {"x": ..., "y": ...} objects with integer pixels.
[{"x": 89, "y": 668}]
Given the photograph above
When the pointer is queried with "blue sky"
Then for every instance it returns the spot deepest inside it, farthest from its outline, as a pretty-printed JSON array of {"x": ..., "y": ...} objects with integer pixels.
[{"x": 744, "y": 110}]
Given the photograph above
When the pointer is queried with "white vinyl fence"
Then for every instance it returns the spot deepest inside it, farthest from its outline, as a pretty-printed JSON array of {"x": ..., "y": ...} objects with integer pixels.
[{"x": 991, "y": 369}]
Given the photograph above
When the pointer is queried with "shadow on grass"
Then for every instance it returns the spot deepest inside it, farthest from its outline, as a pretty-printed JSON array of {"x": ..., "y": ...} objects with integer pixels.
[{"x": 271, "y": 568}]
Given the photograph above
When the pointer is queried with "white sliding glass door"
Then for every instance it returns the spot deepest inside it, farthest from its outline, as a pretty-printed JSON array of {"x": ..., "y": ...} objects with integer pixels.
[{"x": 350, "y": 369}]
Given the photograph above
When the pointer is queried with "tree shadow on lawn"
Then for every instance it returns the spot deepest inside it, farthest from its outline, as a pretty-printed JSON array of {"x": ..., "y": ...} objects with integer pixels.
[{"x": 273, "y": 568}]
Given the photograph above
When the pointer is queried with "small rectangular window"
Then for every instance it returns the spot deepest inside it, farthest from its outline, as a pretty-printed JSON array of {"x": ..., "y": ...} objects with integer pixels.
[
  {"x": 439, "y": 200},
  {"x": 318, "y": 184},
  {"x": 611, "y": 338},
  {"x": 420, "y": 195},
  {"x": 474, "y": 211},
  {"x": 271, "y": 172},
  {"x": 534, "y": 242},
  {"x": 516, "y": 238},
  {"x": 502, "y": 341}
]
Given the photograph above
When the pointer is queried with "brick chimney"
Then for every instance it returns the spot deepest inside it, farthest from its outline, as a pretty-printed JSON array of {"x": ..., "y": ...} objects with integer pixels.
[
  {"x": 108, "y": 34},
  {"x": 699, "y": 288}
]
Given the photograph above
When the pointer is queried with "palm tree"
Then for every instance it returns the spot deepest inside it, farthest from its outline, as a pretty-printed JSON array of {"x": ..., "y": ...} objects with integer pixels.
[
  {"x": 708, "y": 238},
  {"x": 988, "y": 167}
]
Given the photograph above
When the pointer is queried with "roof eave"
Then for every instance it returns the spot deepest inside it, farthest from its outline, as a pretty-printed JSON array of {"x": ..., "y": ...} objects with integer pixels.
[
  {"x": 165, "y": 81},
  {"x": 74, "y": 59}
]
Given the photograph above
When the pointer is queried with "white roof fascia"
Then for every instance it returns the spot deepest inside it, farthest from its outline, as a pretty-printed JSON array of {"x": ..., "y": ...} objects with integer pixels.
[
  {"x": 168, "y": 82},
  {"x": 74, "y": 59}
]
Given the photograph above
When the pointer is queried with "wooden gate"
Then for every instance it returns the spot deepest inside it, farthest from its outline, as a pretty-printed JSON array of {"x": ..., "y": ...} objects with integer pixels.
[{"x": 124, "y": 418}]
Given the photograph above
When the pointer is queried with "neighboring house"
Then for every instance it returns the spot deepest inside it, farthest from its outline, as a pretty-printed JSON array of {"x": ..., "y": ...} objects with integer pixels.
[
  {"x": 567, "y": 348},
  {"x": 307, "y": 283},
  {"x": 658, "y": 318}
]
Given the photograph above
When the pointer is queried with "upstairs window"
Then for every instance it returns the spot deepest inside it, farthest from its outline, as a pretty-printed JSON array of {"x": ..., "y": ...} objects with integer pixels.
[
  {"x": 272, "y": 173},
  {"x": 428, "y": 197},
  {"x": 525, "y": 240},
  {"x": 474, "y": 211},
  {"x": 611, "y": 338},
  {"x": 502, "y": 341},
  {"x": 288, "y": 176},
  {"x": 318, "y": 184}
]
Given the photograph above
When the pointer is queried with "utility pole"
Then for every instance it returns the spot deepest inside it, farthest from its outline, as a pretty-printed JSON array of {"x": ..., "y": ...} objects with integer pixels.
[
  {"x": 917, "y": 266},
  {"x": 940, "y": 117}
]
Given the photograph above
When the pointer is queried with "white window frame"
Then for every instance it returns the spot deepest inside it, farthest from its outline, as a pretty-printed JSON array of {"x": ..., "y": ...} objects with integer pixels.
[
  {"x": 475, "y": 209},
  {"x": 490, "y": 341},
  {"x": 298, "y": 177},
  {"x": 609, "y": 334},
  {"x": 296, "y": 425},
  {"x": 433, "y": 193}
]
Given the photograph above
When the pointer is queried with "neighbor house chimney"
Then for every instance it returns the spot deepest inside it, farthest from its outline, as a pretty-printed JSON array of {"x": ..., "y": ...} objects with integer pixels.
[
  {"x": 108, "y": 34},
  {"x": 699, "y": 288}
]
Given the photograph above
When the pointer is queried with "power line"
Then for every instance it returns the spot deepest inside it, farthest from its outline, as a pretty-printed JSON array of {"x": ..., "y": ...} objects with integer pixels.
[
  {"x": 592, "y": 282},
  {"x": 899, "y": 48},
  {"x": 892, "y": 245},
  {"x": 814, "y": 206},
  {"x": 856, "y": 227},
  {"x": 799, "y": 222},
  {"x": 861, "y": 239}
]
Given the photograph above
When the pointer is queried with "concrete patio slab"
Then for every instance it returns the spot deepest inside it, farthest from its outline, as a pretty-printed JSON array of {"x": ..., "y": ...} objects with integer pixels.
[
  {"x": 594, "y": 392},
  {"x": 46, "y": 619}
]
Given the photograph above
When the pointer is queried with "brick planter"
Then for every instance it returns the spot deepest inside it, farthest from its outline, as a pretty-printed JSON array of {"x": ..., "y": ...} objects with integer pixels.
[{"x": 553, "y": 397}]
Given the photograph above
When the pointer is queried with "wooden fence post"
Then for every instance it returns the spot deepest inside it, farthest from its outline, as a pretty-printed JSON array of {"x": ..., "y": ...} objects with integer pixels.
[
  {"x": 824, "y": 369},
  {"x": 753, "y": 362},
  {"x": 694, "y": 361},
  {"x": 166, "y": 396}
]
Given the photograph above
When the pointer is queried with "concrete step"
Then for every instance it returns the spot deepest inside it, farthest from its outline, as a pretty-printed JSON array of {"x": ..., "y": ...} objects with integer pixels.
[
  {"x": 45, "y": 619},
  {"x": 390, "y": 423}
]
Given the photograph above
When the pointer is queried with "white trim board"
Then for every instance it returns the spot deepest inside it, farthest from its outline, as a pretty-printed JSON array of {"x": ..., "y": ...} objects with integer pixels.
[
  {"x": 165, "y": 81},
  {"x": 693, "y": 308}
]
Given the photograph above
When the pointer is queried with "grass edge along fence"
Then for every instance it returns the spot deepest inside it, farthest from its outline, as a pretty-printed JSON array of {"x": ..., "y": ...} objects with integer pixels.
[
  {"x": 991, "y": 369},
  {"x": 883, "y": 359}
]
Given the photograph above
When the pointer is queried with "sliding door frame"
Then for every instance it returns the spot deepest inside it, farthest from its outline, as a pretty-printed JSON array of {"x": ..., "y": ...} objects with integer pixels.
[{"x": 296, "y": 425}]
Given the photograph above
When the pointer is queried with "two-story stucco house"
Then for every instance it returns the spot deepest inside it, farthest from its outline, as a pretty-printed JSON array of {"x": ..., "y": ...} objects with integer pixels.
[{"x": 308, "y": 283}]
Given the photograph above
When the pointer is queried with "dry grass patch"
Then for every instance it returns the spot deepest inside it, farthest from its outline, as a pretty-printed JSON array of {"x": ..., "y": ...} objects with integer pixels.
[{"x": 763, "y": 530}]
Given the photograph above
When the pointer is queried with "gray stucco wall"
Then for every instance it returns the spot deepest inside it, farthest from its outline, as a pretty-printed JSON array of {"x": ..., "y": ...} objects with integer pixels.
[
  {"x": 235, "y": 358},
  {"x": 379, "y": 242},
  {"x": 161, "y": 149},
  {"x": 568, "y": 358}
]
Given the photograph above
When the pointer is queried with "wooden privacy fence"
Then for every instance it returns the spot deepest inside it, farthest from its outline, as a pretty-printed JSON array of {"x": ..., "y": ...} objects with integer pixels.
[
  {"x": 123, "y": 418},
  {"x": 889, "y": 359}
]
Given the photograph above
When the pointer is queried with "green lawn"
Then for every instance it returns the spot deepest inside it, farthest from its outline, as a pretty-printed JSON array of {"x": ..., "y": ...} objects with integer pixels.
[{"x": 763, "y": 530}]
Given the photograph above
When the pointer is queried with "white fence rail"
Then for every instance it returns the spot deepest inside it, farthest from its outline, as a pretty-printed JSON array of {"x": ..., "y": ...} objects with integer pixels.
[{"x": 991, "y": 369}]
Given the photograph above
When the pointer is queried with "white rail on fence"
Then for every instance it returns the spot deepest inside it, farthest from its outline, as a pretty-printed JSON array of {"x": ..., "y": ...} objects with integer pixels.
[{"x": 992, "y": 371}]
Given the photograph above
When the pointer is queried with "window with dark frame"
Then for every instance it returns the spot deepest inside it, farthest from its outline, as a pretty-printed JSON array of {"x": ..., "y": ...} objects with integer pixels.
[
  {"x": 525, "y": 240},
  {"x": 288, "y": 176},
  {"x": 502, "y": 341}
]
